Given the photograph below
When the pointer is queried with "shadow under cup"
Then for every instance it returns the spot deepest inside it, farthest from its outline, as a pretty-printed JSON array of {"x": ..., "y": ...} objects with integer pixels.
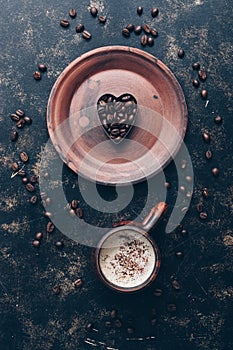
[{"x": 127, "y": 259}]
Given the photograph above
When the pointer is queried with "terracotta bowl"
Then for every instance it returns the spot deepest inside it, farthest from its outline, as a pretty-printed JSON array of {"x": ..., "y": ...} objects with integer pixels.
[{"x": 78, "y": 135}]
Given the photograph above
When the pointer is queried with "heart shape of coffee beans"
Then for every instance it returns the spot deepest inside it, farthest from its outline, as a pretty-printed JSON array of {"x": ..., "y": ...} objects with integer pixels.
[{"x": 117, "y": 115}]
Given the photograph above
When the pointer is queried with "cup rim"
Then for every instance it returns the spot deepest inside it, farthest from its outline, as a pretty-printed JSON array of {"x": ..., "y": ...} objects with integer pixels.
[{"x": 144, "y": 284}]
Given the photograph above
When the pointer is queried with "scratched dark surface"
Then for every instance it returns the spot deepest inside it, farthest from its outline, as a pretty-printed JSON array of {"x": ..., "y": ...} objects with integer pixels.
[{"x": 31, "y": 316}]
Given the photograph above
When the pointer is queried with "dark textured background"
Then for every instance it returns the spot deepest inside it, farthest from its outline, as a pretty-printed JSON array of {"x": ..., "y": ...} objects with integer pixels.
[{"x": 31, "y": 316}]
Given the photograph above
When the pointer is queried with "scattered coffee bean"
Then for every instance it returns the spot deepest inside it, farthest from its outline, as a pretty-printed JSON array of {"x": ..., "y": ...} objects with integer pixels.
[
  {"x": 138, "y": 30},
  {"x": 118, "y": 323},
  {"x": 56, "y": 289},
  {"x": 42, "y": 67},
  {"x": 183, "y": 164},
  {"x": 33, "y": 179},
  {"x": 204, "y": 94},
  {"x": 146, "y": 28},
  {"x": 218, "y": 119},
  {"x": 205, "y": 192},
  {"x": 196, "y": 83},
  {"x": 64, "y": 23},
  {"x": 14, "y": 135},
  {"x": 25, "y": 180},
  {"x": 139, "y": 10},
  {"x": 78, "y": 283},
  {"x": 48, "y": 214},
  {"x": 27, "y": 120},
  {"x": 203, "y": 215},
  {"x": 102, "y": 19},
  {"x": 144, "y": 40},
  {"x": 86, "y": 35},
  {"x": 189, "y": 178},
  {"x": 15, "y": 117},
  {"x": 14, "y": 166},
  {"x": 215, "y": 171},
  {"x": 176, "y": 285},
  {"x": 80, "y": 28},
  {"x": 74, "y": 204},
  {"x": 125, "y": 32},
  {"x": 93, "y": 11},
  {"x": 20, "y": 124},
  {"x": 48, "y": 201},
  {"x": 167, "y": 184},
  {"x": 72, "y": 212},
  {"x": 202, "y": 74},
  {"x": 20, "y": 113},
  {"x": 154, "y": 12},
  {"x": 206, "y": 136},
  {"x": 108, "y": 324},
  {"x": 21, "y": 172},
  {"x": 130, "y": 27},
  {"x": 24, "y": 157},
  {"x": 179, "y": 254},
  {"x": 50, "y": 227},
  {"x": 180, "y": 53},
  {"x": 30, "y": 187},
  {"x": 39, "y": 236},
  {"x": 59, "y": 244},
  {"x": 130, "y": 330},
  {"x": 154, "y": 32},
  {"x": 158, "y": 292},
  {"x": 113, "y": 313},
  {"x": 37, "y": 75},
  {"x": 33, "y": 200},
  {"x": 196, "y": 65},
  {"x": 171, "y": 307},
  {"x": 150, "y": 41},
  {"x": 79, "y": 213},
  {"x": 208, "y": 154},
  {"x": 182, "y": 189},
  {"x": 72, "y": 13},
  {"x": 46, "y": 175},
  {"x": 199, "y": 207},
  {"x": 153, "y": 322},
  {"x": 36, "y": 243}
]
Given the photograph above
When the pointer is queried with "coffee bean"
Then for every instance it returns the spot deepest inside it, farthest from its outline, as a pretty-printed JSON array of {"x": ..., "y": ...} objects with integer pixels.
[
  {"x": 20, "y": 123},
  {"x": 150, "y": 41},
  {"x": 125, "y": 32},
  {"x": 15, "y": 117},
  {"x": 171, "y": 307},
  {"x": 27, "y": 120},
  {"x": 215, "y": 171},
  {"x": 50, "y": 227},
  {"x": 102, "y": 19},
  {"x": 205, "y": 192},
  {"x": 208, "y": 154},
  {"x": 79, "y": 213},
  {"x": 30, "y": 187},
  {"x": 72, "y": 13},
  {"x": 48, "y": 201},
  {"x": 74, "y": 204},
  {"x": 72, "y": 213},
  {"x": 48, "y": 214},
  {"x": 154, "y": 12},
  {"x": 144, "y": 39},
  {"x": 14, "y": 166},
  {"x": 25, "y": 180},
  {"x": 24, "y": 157},
  {"x": 188, "y": 178},
  {"x": 176, "y": 285},
  {"x": 167, "y": 184},
  {"x": 180, "y": 53},
  {"x": 33, "y": 200},
  {"x": 218, "y": 119},
  {"x": 39, "y": 236},
  {"x": 130, "y": 27},
  {"x": 93, "y": 11},
  {"x": 158, "y": 292},
  {"x": 64, "y": 23},
  {"x": 33, "y": 179},
  {"x": 203, "y": 215},
  {"x": 138, "y": 30},
  {"x": 204, "y": 94},
  {"x": 36, "y": 243},
  {"x": 139, "y": 10},
  {"x": 196, "y": 83},
  {"x": 202, "y": 74},
  {"x": 14, "y": 135},
  {"x": 78, "y": 283},
  {"x": 59, "y": 244},
  {"x": 206, "y": 136},
  {"x": 154, "y": 32},
  {"x": 196, "y": 65},
  {"x": 130, "y": 330},
  {"x": 115, "y": 132},
  {"x": 21, "y": 172},
  {"x": 86, "y": 35},
  {"x": 80, "y": 28},
  {"x": 20, "y": 113},
  {"x": 182, "y": 189},
  {"x": 153, "y": 322},
  {"x": 199, "y": 207},
  {"x": 42, "y": 67},
  {"x": 37, "y": 75},
  {"x": 118, "y": 323},
  {"x": 113, "y": 313},
  {"x": 56, "y": 289},
  {"x": 146, "y": 28}
]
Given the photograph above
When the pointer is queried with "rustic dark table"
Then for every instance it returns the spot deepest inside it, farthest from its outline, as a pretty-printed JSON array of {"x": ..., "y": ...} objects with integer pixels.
[{"x": 32, "y": 316}]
